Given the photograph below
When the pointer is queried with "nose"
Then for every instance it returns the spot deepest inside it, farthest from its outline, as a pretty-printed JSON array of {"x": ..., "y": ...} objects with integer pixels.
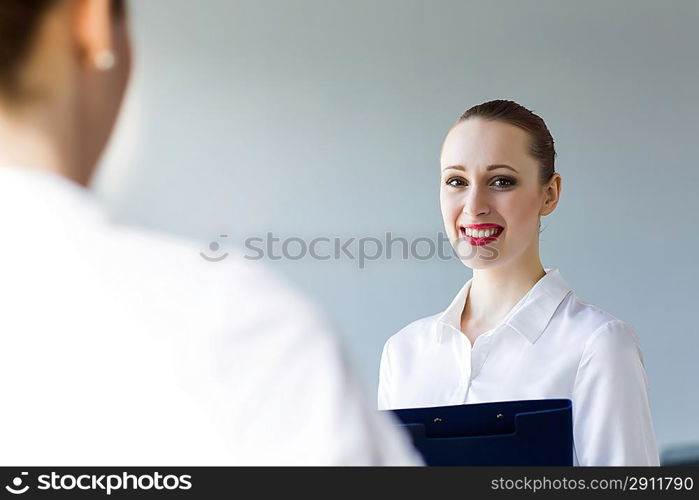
[{"x": 476, "y": 202}]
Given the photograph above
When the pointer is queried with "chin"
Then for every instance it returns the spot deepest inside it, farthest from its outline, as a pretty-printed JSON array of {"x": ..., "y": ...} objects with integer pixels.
[
  {"x": 488, "y": 262},
  {"x": 475, "y": 256}
]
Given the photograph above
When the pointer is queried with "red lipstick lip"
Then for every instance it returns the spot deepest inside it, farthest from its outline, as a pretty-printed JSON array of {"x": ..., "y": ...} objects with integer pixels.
[
  {"x": 482, "y": 226},
  {"x": 478, "y": 242}
]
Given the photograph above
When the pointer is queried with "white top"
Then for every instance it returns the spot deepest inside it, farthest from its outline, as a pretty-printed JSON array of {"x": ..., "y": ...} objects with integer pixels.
[
  {"x": 550, "y": 345},
  {"x": 122, "y": 347}
]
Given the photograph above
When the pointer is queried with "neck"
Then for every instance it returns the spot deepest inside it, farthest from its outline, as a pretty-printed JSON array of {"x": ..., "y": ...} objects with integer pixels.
[
  {"x": 495, "y": 291},
  {"x": 43, "y": 140}
]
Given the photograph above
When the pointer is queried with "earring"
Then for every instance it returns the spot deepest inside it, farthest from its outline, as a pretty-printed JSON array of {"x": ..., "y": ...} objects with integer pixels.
[{"x": 105, "y": 60}]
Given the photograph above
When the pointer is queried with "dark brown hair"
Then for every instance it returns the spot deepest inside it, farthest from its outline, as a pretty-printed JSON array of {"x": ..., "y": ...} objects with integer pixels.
[
  {"x": 541, "y": 144},
  {"x": 19, "y": 21}
]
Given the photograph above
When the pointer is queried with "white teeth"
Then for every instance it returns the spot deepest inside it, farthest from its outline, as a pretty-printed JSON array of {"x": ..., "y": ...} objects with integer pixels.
[{"x": 480, "y": 233}]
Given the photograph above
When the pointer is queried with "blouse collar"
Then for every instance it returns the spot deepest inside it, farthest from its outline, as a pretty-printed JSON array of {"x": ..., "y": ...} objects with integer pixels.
[{"x": 528, "y": 317}]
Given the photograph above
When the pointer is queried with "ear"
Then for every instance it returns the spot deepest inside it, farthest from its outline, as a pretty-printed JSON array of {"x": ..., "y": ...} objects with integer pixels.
[
  {"x": 552, "y": 194},
  {"x": 92, "y": 26}
]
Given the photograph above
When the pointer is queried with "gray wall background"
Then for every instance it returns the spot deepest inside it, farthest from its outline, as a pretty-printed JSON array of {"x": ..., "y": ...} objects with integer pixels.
[{"x": 325, "y": 118}]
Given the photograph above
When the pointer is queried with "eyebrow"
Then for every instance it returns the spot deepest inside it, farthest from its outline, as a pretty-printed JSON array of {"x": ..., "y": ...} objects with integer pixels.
[{"x": 488, "y": 168}]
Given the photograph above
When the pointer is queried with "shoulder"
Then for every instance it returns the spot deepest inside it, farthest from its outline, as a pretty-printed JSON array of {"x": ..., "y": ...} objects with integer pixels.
[
  {"x": 586, "y": 322},
  {"x": 234, "y": 292},
  {"x": 604, "y": 339},
  {"x": 184, "y": 259},
  {"x": 615, "y": 341}
]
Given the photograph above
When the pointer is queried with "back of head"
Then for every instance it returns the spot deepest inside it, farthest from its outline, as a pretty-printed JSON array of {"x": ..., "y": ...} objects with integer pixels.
[
  {"x": 64, "y": 67},
  {"x": 19, "y": 20}
]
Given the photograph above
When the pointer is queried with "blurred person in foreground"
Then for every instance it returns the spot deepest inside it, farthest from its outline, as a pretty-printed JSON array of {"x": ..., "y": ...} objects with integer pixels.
[{"x": 120, "y": 346}]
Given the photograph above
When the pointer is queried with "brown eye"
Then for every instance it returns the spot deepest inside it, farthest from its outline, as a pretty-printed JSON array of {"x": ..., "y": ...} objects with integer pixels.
[
  {"x": 455, "y": 182},
  {"x": 504, "y": 182}
]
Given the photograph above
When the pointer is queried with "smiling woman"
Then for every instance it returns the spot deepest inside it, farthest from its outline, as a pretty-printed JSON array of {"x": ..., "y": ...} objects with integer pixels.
[{"x": 517, "y": 330}]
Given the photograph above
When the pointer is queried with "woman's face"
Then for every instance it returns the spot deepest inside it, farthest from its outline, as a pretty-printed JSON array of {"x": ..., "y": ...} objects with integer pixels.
[{"x": 489, "y": 178}]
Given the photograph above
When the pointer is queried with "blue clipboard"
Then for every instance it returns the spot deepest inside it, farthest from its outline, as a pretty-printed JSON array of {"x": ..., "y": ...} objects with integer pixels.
[{"x": 536, "y": 432}]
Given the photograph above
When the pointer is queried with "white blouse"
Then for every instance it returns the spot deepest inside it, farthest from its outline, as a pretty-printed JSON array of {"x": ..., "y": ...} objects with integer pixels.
[
  {"x": 550, "y": 345},
  {"x": 119, "y": 345}
]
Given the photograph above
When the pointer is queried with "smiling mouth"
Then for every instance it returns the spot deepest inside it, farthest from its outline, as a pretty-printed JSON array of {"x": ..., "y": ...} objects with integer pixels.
[{"x": 479, "y": 237}]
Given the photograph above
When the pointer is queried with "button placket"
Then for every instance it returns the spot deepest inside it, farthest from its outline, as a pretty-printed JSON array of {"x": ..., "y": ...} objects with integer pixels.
[
  {"x": 465, "y": 366},
  {"x": 480, "y": 352}
]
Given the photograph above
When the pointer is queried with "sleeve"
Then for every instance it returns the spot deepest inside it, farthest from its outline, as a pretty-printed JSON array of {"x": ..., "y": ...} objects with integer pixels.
[
  {"x": 611, "y": 414},
  {"x": 384, "y": 392},
  {"x": 295, "y": 399}
]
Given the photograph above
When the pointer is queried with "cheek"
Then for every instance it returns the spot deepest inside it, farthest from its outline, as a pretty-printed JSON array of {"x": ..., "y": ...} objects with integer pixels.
[
  {"x": 521, "y": 211},
  {"x": 450, "y": 205}
]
